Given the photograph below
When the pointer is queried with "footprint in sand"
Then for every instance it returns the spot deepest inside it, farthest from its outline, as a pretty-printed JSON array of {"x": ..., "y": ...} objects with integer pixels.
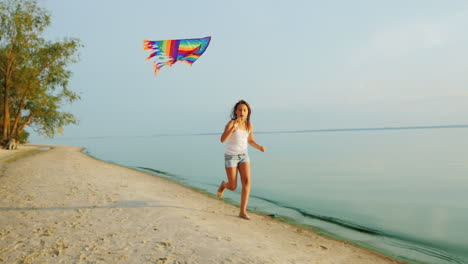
[
  {"x": 165, "y": 260},
  {"x": 109, "y": 199},
  {"x": 5, "y": 232},
  {"x": 44, "y": 231},
  {"x": 58, "y": 248},
  {"x": 163, "y": 245},
  {"x": 29, "y": 197},
  {"x": 224, "y": 238}
]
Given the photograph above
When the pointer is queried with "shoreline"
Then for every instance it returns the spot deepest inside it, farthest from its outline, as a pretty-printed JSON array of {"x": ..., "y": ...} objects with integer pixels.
[{"x": 75, "y": 207}]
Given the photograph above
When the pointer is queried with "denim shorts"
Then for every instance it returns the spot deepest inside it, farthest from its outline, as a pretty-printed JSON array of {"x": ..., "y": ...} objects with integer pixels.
[{"x": 234, "y": 160}]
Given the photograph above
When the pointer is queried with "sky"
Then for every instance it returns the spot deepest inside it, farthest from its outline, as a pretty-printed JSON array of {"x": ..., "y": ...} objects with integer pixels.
[{"x": 300, "y": 64}]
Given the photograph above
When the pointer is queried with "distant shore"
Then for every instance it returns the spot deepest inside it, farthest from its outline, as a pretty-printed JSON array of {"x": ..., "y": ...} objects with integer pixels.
[{"x": 62, "y": 206}]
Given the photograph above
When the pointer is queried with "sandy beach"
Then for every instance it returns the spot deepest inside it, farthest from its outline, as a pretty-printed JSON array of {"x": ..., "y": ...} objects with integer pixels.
[{"x": 62, "y": 206}]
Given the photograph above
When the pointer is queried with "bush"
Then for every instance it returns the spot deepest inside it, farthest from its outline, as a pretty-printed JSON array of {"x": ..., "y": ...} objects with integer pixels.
[{"x": 23, "y": 137}]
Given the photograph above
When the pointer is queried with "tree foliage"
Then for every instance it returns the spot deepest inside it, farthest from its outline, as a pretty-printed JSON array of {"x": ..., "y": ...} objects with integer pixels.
[{"x": 33, "y": 71}]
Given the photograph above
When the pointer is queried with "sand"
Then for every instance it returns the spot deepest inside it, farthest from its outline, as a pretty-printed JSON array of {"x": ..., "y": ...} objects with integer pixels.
[{"x": 62, "y": 206}]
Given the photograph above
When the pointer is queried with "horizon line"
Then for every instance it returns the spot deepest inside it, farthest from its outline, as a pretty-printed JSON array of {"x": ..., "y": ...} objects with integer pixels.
[
  {"x": 329, "y": 130},
  {"x": 289, "y": 131}
]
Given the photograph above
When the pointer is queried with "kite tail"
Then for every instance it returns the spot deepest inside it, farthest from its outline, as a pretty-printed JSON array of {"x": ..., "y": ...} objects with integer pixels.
[
  {"x": 156, "y": 68},
  {"x": 147, "y": 44}
]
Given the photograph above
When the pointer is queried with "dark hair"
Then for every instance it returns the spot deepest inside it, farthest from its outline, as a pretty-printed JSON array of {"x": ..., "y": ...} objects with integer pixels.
[{"x": 234, "y": 115}]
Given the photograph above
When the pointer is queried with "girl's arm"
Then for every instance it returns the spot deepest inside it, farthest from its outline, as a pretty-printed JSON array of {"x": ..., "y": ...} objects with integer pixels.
[
  {"x": 252, "y": 141},
  {"x": 228, "y": 130}
]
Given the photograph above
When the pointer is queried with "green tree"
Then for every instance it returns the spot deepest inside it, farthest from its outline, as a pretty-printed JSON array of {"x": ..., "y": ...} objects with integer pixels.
[{"x": 33, "y": 71}]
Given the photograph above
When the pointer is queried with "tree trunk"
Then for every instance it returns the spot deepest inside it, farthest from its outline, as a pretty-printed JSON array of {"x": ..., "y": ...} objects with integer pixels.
[
  {"x": 26, "y": 122},
  {"x": 14, "y": 132},
  {"x": 6, "y": 111}
]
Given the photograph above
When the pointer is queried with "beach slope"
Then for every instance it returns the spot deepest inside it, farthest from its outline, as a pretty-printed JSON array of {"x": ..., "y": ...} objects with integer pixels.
[{"x": 62, "y": 206}]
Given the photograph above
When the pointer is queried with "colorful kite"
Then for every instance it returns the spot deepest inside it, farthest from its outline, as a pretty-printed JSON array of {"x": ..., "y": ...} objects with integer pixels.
[{"x": 168, "y": 52}]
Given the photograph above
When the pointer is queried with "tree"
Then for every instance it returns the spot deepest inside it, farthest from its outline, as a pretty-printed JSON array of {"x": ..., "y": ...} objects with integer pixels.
[{"x": 33, "y": 71}]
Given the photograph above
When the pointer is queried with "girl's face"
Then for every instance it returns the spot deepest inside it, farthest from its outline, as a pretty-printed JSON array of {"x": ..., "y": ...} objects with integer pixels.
[{"x": 242, "y": 111}]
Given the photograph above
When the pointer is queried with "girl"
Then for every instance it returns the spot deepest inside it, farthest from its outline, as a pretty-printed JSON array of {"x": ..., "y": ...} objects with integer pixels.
[{"x": 238, "y": 132}]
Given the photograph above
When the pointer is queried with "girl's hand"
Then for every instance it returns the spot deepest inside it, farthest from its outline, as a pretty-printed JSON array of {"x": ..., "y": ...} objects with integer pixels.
[
  {"x": 235, "y": 124},
  {"x": 261, "y": 148}
]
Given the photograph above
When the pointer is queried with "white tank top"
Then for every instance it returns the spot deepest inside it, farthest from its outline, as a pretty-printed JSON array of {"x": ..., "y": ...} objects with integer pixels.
[{"x": 237, "y": 143}]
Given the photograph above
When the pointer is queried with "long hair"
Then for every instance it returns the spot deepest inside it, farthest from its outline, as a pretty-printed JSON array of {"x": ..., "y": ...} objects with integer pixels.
[{"x": 234, "y": 115}]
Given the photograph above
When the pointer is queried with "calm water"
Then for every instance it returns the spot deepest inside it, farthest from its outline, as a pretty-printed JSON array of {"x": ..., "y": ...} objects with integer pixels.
[{"x": 403, "y": 192}]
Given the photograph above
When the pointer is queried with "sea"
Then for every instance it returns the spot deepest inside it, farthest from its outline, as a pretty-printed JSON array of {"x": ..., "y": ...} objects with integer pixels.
[{"x": 401, "y": 191}]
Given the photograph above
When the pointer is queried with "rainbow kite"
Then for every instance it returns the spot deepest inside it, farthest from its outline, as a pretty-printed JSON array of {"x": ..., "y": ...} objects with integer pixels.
[{"x": 168, "y": 52}]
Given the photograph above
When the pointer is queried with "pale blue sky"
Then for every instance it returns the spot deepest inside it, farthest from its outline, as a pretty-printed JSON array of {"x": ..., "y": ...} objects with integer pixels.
[{"x": 301, "y": 64}]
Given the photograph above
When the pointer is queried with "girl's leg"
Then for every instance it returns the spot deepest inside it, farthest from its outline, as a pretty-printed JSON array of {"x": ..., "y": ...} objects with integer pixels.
[
  {"x": 231, "y": 174},
  {"x": 244, "y": 170}
]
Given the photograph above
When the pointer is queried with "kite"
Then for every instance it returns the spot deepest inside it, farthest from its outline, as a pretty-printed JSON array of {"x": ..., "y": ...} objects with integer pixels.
[{"x": 168, "y": 52}]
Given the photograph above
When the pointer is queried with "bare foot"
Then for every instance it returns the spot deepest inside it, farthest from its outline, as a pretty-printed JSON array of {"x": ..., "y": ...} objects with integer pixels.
[
  {"x": 221, "y": 190},
  {"x": 244, "y": 216}
]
